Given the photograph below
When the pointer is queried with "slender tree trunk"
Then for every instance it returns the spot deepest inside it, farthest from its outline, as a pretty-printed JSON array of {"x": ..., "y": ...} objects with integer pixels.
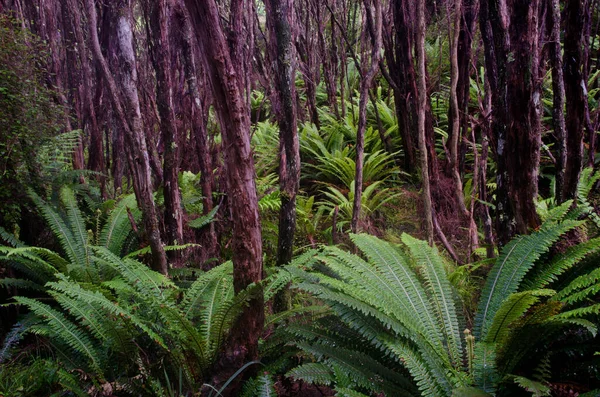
[
  {"x": 402, "y": 71},
  {"x": 558, "y": 89},
  {"x": 280, "y": 18},
  {"x": 365, "y": 85},
  {"x": 574, "y": 94},
  {"x": 524, "y": 135},
  {"x": 198, "y": 127},
  {"x": 421, "y": 109},
  {"x": 454, "y": 109},
  {"x": 136, "y": 151},
  {"x": 160, "y": 13},
  {"x": 243, "y": 203}
]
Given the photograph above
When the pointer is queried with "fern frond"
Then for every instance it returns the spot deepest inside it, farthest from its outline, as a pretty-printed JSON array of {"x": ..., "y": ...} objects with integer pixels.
[
  {"x": 146, "y": 250},
  {"x": 316, "y": 373},
  {"x": 511, "y": 309},
  {"x": 345, "y": 392},
  {"x": 146, "y": 281},
  {"x": 117, "y": 228},
  {"x": 65, "y": 330},
  {"x": 40, "y": 255},
  {"x": 10, "y": 238},
  {"x": 587, "y": 282},
  {"x": 395, "y": 277},
  {"x": 421, "y": 371},
  {"x": 84, "y": 304},
  {"x": 60, "y": 229},
  {"x": 484, "y": 367},
  {"x": 537, "y": 389},
  {"x": 77, "y": 225},
  {"x": 432, "y": 265},
  {"x": 195, "y": 296},
  {"x": 314, "y": 311},
  {"x": 515, "y": 260},
  {"x": 203, "y": 220},
  {"x": 20, "y": 283},
  {"x": 549, "y": 273}
]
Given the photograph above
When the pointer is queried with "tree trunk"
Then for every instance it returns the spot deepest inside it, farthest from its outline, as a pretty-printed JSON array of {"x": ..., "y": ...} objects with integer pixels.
[
  {"x": 160, "y": 12},
  {"x": 235, "y": 127},
  {"x": 574, "y": 94},
  {"x": 198, "y": 128},
  {"x": 558, "y": 103},
  {"x": 136, "y": 151},
  {"x": 421, "y": 109},
  {"x": 280, "y": 18},
  {"x": 402, "y": 72},
  {"x": 365, "y": 85},
  {"x": 454, "y": 109},
  {"x": 523, "y": 140},
  {"x": 512, "y": 59}
]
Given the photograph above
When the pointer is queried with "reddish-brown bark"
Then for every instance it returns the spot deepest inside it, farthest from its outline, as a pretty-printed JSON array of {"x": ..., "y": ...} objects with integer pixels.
[
  {"x": 241, "y": 190},
  {"x": 129, "y": 112},
  {"x": 160, "y": 14}
]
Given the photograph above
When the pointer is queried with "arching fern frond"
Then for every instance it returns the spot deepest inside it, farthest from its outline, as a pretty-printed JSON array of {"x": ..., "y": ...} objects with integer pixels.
[
  {"x": 515, "y": 260},
  {"x": 64, "y": 329}
]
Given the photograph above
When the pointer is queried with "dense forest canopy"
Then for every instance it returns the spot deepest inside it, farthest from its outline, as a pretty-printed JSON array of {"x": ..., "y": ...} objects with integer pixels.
[{"x": 299, "y": 198}]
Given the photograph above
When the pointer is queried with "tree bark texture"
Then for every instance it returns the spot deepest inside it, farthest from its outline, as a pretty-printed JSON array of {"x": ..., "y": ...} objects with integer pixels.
[
  {"x": 129, "y": 117},
  {"x": 365, "y": 85},
  {"x": 558, "y": 90},
  {"x": 421, "y": 113},
  {"x": 160, "y": 13},
  {"x": 574, "y": 93},
  {"x": 510, "y": 38},
  {"x": 199, "y": 130},
  {"x": 280, "y": 19},
  {"x": 235, "y": 127}
]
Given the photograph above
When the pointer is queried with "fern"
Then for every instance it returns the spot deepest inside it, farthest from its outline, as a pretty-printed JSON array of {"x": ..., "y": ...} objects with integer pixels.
[
  {"x": 316, "y": 373},
  {"x": 537, "y": 389},
  {"x": 440, "y": 292},
  {"x": 118, "y": 226},
  {"x": 204, "y": 220},
  {"x": 65, "y": 330},
  {"x": 515, "y": 260},
  {"x": 512, "y": 309}
]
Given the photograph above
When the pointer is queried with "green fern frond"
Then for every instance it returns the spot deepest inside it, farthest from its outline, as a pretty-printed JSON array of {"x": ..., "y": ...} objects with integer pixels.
[
  {"x": 147, "y": 250},
  {"x": 195, "y": 296},
  {"x": 20, "y": 284},
  {"x": 265, "y": 387},
  {"x": 432, "y": 266},
  {"x": 65, "y": 330},
  {"x": 203, "y": 220},
  {"x": 579, "y": 312},
  {"x": 587, "y": 180},
  {"x": 10, "y": 238},
  {"x": 394, "y": 276},
  {"x": 77, "y": 224},
  {"x": 345, "y": 392},
  {"x": 313, "y": 311},
  {"x": 580, "y": 288},
  {"x": 36, "y": 253},
  {"x": 316, "y": 373},
  {"x": 560, "y": 264},
  {"x": 515, "y": 260},
  {"x": 484, "y": 367},
  {"x": 428, "y": 384},
  {"x": 511, "y": 309},
  {"x": 114, "y": 233},
  {"x": 147, "y": 282},
  {"x": 84, "y": 304},
  {"x": 537, "y": 389},
  {"x": 59, "y": 228}
]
